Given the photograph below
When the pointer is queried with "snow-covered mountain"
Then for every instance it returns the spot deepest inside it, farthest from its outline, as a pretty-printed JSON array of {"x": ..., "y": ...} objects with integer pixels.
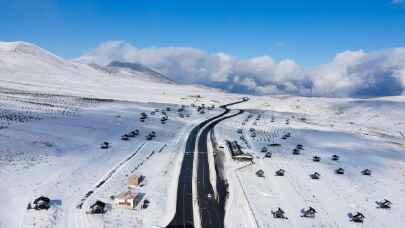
[
  {"x": 135, "y": 70},
  {"x": 26, "y": 66}
]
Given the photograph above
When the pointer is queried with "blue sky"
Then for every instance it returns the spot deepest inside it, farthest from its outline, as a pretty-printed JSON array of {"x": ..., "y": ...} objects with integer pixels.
[{"x": 309, "y": 32}]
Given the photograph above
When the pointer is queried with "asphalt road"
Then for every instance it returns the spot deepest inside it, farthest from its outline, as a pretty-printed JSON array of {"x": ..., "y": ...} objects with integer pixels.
[{"x": 209, "y": 210}]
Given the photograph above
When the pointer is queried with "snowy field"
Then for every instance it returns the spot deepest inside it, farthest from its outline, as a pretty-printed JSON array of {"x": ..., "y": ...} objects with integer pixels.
[
  {"x": 50, "y": 146},
  {"x": 365, "y": 134},
  {"x": 54, "y": 114}
]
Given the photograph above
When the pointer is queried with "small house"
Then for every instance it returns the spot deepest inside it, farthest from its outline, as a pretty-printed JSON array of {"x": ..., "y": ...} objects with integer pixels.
[
  {"x": 358, "y": 217},
  {"x": 41, "y": 203},
  {"x": 296, "y": 151},
  {"x": 145, "y": 204},
  {"x": 309, "y": 213},
  {"x": 125, "y": 137},
  {"x": 127, "y": 200},
  {"x": 105, "y": 145},
  {"x": 279, "y": 214},
  {"x": 340, "y": 171},
  {"x": 134, "y": 181},
  {"x": 315, "y": 175},
  {"x": 284, "y": 137},
  {"x": 280, "y": 172},
  {"x": 386, "y": 204},
  {"x": 97, "y": 208},
  {"x": 260, "y": 173},
  {"x": 366, "y": 172}
]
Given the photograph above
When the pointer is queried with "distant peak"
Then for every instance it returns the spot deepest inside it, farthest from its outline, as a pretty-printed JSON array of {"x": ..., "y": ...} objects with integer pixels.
[
  {"x": 25, "y": 48},
  {"x": 133, "y": 66}
]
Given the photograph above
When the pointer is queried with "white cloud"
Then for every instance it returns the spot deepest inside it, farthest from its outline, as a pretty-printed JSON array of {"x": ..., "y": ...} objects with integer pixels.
[
  {"x": 397, "y": 2},
  {"x": 350, "y": 73}
]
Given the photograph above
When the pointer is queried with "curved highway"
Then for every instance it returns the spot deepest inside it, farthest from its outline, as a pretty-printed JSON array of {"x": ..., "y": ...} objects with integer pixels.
[{"x": 210, "y": 212}]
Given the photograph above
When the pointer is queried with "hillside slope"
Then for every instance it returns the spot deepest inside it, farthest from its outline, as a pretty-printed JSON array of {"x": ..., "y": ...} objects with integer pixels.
[{"x": 28, "y": 67}]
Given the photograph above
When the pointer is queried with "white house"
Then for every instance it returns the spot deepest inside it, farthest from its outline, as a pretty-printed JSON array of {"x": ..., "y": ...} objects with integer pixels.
[{"x": 127, "y": 200}]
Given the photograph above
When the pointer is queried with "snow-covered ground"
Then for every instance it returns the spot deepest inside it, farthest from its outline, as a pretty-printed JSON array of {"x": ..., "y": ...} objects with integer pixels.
[
  {"x": 364, "y": 133},
  {"x": 57, "y": 154},
  {"x": 54, "y": 114}
]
